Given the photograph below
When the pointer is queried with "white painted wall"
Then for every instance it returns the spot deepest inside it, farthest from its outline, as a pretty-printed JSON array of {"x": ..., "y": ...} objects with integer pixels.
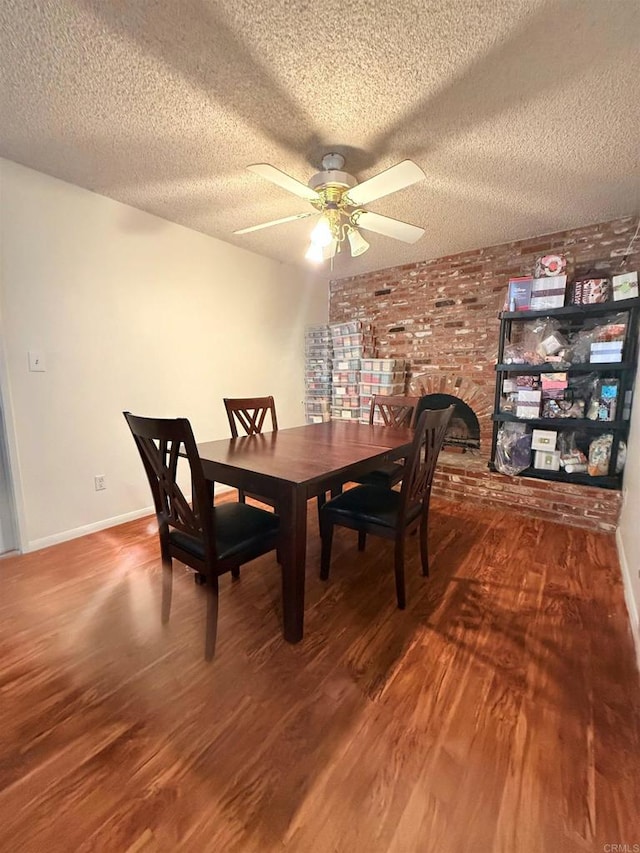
[
  {"x": 628, "y": 533},
  {"x": 130, "y": 312}
]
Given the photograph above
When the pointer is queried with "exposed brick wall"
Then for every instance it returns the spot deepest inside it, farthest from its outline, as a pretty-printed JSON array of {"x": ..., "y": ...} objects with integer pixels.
[{"x": 442, "y": 316}]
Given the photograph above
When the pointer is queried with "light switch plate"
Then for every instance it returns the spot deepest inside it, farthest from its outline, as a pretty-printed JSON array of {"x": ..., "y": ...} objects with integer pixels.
[{"x": 36, "y": 361}]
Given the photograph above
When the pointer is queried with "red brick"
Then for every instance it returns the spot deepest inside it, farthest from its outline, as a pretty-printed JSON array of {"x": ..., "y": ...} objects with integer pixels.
[{"x": 464, "y": 293}]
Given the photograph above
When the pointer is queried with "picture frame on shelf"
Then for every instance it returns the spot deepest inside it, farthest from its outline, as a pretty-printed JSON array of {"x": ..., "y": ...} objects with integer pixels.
[
  {"x": 625, "y": 286},
  {"x": 550, "y": 265},
  {"x": 519, "y": 293},
  {"x": 591, "y": 291},
  {"x": 548, "y": 292}
]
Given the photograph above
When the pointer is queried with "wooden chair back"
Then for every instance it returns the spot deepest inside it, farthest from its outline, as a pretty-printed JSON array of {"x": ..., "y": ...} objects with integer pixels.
[
  {"x": 250, "y": 413},
  {"x": 421, "y": 462},
  {"x": 161, "y": 443},
  {"x": 396, "y": 411}
]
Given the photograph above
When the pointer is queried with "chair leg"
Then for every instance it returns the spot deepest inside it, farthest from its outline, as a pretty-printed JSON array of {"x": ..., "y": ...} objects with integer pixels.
[
  {"x": 424, "y": 548},
  {"x": 212, "y": 617},
  {"x": 362, "y": 539},
  {"x": 242, "y": 497},
  {"x": 326, "y": 534},
  {"x": 399, "y": 567},
  {"x": 235, "y": 573},
  {"x": 167, "y": 585}
]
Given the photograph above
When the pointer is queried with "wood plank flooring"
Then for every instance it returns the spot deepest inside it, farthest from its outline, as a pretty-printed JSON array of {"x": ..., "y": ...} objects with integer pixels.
[{"x": 499, "y": 713}]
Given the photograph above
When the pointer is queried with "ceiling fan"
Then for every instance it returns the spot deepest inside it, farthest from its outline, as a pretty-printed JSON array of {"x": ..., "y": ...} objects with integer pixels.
[{"x": 338, "y": 200}]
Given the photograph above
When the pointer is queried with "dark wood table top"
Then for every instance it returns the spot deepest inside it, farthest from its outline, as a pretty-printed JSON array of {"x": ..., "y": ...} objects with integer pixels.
[{"x": 307, "y": 453}]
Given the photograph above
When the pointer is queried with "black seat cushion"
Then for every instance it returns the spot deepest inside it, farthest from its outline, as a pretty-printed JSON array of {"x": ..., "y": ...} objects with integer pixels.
[
  {"x": 371, "y": 504},
  {"x": 386, "y": 475},
  {"x": 239, "y": 527}
]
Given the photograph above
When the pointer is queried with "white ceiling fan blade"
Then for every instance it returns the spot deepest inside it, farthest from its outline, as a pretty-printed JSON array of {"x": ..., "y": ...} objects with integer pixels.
[
  {"x": 292, "y": 185},
  {"x": 277, "y": 222},
  {"x": 390, "y": 181},
  {"x": 387, "y": 226}
]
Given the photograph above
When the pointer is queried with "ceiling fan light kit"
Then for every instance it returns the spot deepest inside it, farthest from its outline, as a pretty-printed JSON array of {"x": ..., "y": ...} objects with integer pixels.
[
  {"x": 338, "y": 200},
  {"x": 357, "y": 243}
]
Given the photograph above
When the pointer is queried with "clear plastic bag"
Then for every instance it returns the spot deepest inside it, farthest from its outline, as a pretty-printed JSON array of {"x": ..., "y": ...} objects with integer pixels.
[
  {"x": 612, "y": 328},
  {"x": 621, "y": 458},
  {"x": 575, "y": 401},
  {"x": 536, "y": 342},
  {"x": 572, "y": 459},
  {"x": 599, "y": 455},
  {"x": 513, "y": 449}
]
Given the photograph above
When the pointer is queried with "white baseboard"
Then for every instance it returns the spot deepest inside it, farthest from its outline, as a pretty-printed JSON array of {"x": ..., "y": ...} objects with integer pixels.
[
  {"x": 66, "y": 535},
  {"x": 632, "y": 605}
]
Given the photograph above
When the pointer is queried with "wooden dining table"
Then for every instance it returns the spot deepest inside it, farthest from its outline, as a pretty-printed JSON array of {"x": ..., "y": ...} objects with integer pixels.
[{"x": 291, "y": 466}]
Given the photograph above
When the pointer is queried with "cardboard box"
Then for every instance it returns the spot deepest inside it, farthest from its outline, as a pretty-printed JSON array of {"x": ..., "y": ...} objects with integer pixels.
[
  {"x": 551, "y": 345},
  {"x": 548, "y": 292},
  {"x": 526, "y": 380},
  {"x": 544, "y": 439},
  {"x": 606, "y": 351},
  {"x": 599, "y": 346},
  {"x": 547, "y": 460},
  {"x": 528, "y": 404},
  {"x": 554, "y": 381}
]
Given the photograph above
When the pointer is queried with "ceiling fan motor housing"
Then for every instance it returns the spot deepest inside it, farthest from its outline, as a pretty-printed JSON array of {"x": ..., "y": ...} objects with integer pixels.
[{"x": 332, "y": 177}]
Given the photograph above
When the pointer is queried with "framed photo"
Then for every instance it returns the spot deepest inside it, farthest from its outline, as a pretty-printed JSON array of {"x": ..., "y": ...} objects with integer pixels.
[
  {"x": 519, "y": 294},
  {"x": 550, "y": 265},
  {"x": 625, "y": 286},
  {"x": 548, "y": 292},
  {"x": 590, "y": 291}
]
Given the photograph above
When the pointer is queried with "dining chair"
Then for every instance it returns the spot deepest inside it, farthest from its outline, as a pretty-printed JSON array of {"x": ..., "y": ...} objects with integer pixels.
[
  {"x": 397, "y": 412},
  {"x": 250, "y": 414},
  {"x": 385, "y": 512},
  {"x": 210, "y": 539}
]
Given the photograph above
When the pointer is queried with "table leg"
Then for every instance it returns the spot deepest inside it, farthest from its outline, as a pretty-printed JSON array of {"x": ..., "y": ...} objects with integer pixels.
[{"x": 293, "y": 518}]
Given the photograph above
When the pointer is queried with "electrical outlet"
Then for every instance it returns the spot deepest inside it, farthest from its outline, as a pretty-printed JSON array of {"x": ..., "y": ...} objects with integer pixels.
[{"x": 100, "y": 482}]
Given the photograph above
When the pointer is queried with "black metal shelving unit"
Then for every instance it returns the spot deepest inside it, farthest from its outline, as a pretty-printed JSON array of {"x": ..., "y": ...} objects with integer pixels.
[{"x": 573, "y": 318}]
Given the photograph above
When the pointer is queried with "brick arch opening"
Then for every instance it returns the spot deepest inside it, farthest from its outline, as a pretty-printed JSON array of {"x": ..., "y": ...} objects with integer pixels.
[
  {"x": 463, "y": 432},
  {"x": 464, "y": 389}
]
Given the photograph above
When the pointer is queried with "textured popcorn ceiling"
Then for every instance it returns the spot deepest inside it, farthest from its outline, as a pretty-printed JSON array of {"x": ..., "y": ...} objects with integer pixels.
[{"x": 523, "y": 114}]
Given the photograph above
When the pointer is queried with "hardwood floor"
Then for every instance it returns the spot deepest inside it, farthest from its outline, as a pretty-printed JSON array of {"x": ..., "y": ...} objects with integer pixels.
[{"x": 499, "y": 712}]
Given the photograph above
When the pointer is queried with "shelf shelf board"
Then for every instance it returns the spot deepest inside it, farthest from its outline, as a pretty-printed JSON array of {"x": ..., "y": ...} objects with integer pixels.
[
  {"x": 614, "y": 482},
  {"x": 575, "y": 310},
  {"x": 575, "y": 423},
  {"x": 574, "y": 368},
  {"x": 583, "y": 479}
]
